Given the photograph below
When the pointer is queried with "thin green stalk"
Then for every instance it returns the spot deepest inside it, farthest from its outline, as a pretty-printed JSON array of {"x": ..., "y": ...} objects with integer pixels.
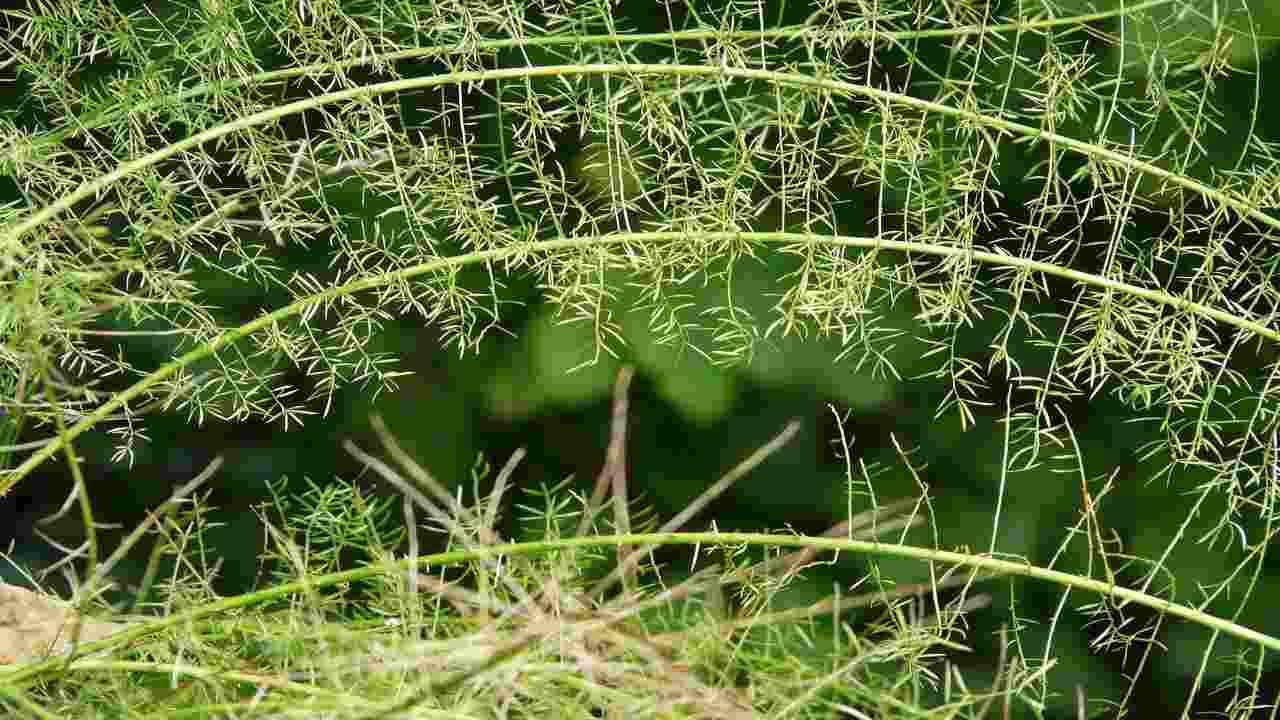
[
  {"x": 14, "y": 234},
  {"x": 989, "y": 565},
  {"x": 804, "y": 32},
  {"x": 566, "y": 244}
]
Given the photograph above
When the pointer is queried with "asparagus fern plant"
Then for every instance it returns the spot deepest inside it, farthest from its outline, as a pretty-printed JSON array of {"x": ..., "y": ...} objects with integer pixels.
[{"x": 1026, "y": 206}]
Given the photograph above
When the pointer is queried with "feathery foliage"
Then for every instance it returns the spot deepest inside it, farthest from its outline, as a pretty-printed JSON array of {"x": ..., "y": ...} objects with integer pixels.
[{"x": 1033, "y": 205}]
